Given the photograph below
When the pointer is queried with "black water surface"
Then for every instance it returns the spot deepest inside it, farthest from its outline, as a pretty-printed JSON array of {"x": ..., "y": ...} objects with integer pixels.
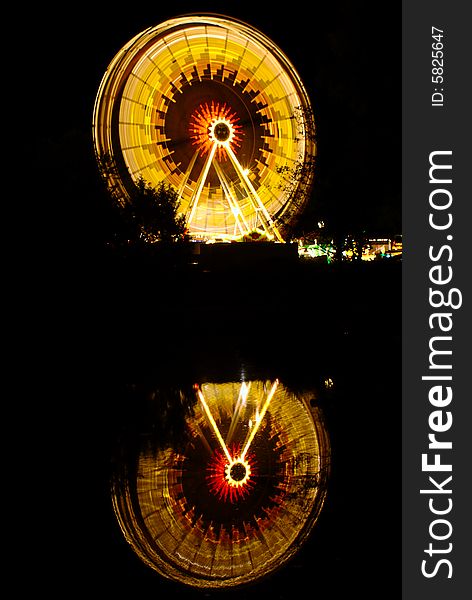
[{"x": 332, "y": 328}]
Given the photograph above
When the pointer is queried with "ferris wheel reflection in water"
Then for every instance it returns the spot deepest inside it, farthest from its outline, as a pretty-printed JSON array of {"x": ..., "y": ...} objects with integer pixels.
[{"x": 237, "y": 496}]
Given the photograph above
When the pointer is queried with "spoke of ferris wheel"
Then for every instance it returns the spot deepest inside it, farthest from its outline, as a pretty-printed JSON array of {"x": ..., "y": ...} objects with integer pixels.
[
  {"x": 213, "y": 424},
  {"x": 255, "y": 205},
  {"x": 229, "y": 198},
  {"x": 260, "y": 219},
  {"x": 251, "y": 199},
  {"x": 259, "y": 418},
  {"x": 187, "y": 174},
  {"x": 250, "y": 188},
  {"x": 242, "y": 398},
  {"x": 200, "y": 183},
  {"x": 232, "y": 201}
]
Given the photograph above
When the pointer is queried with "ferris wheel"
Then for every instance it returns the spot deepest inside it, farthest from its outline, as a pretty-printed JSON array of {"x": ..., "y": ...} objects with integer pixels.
[
  {"x": 239, "y": 494},
  {"x": 211, "y": 106}
]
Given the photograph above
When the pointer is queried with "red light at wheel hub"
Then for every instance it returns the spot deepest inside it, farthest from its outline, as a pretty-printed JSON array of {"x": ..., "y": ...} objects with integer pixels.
[
  {"x": 231, "y": 480},
  {"x": 215, "y": 124}
]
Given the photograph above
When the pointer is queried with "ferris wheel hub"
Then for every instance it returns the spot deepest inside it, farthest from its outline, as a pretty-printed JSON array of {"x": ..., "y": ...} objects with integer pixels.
[
  {"x": 215, "y": 124},
  {"x": 221, "y": 131},
  {"x": 237, "y": 472}
]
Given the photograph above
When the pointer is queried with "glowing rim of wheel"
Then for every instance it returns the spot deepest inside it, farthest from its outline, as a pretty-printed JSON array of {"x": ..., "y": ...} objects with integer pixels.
[
  {"x": 171, "y": 87},
  {"x": 189, "y": 519}
]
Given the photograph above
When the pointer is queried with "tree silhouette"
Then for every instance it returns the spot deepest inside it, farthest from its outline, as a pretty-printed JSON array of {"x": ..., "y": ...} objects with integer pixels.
[
  {"x": 149, "y": 213},
  {"x": 155, "y": 212},
  {"x": 147, "y": 418}
]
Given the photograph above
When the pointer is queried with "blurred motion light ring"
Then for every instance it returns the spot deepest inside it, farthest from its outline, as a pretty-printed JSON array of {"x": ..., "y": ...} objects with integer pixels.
[
  {"x": 142, "y": 124},
  {"x": 208, "y": 528}
]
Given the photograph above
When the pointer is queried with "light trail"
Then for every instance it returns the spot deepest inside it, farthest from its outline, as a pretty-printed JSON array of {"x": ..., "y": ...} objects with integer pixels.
[
  {"x": 259, "y": 418},
  {"x": 242, "y": 398},
  {"x": 214, "y": 425},
  {"x": 160, "y": 76},
  {"x": 232, "y": 201},
  {"x": 252, "y": 192},
  {"x": 201, "y": 183}
]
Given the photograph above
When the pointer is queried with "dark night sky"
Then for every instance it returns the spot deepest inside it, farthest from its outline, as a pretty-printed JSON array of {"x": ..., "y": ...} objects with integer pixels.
[{"x": 348, "y": 54}]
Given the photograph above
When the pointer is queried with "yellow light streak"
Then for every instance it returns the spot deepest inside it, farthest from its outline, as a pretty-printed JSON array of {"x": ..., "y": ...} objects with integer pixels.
[
  {"x": 201, "y": 183},
  {"x": 243, "y": 394},
  {"x": 202, "y": 548},
  {"x": 250, "y": 188},
  {"x": 232, "y": 201},
  {"x": 259, "y": 418},
  {"x": 214, "y": 425},
  {"x": 143, "y": 94}
]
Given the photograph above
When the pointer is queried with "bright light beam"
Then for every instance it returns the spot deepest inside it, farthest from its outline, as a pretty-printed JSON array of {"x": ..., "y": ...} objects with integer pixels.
[
  {"x": 243, "y": 394},
  {"x": 259, "y": 418},
  {"x": 233, "y": 203},
  {"x": 214, "y": 425},
  {"x": 245, "y": 179},
  {"x": 201, "y": 183}
]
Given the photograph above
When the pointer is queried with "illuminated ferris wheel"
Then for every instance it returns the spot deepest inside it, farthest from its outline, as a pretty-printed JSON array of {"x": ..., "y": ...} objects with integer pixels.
[
  {"x": 213, "y": 107},
  {"x": 238, "y": 495}
]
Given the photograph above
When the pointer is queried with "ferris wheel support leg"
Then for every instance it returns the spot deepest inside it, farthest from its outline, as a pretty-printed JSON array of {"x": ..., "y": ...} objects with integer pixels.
[
  {"x": 259, "y": 419},
  {"x": 232, "y": 201},
  {"x": 242, "y": 398},
  {"x": 201, "y": 182},
  {"x": 260, "y": 218},
  {"x": 245, "y": 179},
  {"x": 252, "y": 195},
  {"x": 213, "y": 424}
]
